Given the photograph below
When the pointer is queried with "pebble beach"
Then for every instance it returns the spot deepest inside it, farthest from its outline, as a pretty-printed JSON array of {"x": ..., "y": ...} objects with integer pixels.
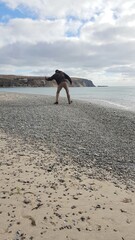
[{"x": 67, "y": 171}]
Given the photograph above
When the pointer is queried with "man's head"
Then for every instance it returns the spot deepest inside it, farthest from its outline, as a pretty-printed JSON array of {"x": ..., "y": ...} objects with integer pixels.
[{"x": 57, "y": 71}]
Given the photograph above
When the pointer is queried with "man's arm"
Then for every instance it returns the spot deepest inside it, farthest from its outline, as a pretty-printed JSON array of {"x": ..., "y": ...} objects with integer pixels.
[
  {"x": 67, "y": 77},
  {"x": 50, "y": 78}
]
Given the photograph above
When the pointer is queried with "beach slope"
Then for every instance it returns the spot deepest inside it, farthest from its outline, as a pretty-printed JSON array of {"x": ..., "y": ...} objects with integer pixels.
[{"x": 67, "y": 171}]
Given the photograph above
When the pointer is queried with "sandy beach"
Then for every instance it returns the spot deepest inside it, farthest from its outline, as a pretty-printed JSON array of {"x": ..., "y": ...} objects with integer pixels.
[{"x": 67, "y": 171}]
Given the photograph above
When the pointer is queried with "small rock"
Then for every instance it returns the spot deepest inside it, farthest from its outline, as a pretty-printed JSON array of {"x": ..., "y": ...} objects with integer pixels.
[
  {"x": 99, "y": 227},
  {"x": 73, "y": 207},
  {"x": 127, "y": 200},
  {"x": 74, "y": 197},
  {"x": 27, "y": 201},
  {"x": 83, "y": 219},
  {"x": 123, "y": 211},
  {"x": 98, "y": 206},
  {"x": 128, "y": 221}
]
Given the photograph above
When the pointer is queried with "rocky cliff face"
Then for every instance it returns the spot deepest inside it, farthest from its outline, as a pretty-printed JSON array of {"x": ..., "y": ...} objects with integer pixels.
[
  {"x": 82, "y": 82},
  {"x": 29, "y": 81}
]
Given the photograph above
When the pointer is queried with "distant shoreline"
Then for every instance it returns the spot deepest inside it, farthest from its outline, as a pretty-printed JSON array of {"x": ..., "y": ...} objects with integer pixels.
[{"x": 38, "y": 81}]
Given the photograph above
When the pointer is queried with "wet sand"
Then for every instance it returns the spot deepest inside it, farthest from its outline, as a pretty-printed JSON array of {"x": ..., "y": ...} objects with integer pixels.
[{"x": 50, "y": 189}]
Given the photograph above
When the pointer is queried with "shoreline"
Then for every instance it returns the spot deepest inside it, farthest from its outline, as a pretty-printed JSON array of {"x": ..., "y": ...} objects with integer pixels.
[
  {"x": 62, "y": 172},
  {"x": 107, "y": 102}
]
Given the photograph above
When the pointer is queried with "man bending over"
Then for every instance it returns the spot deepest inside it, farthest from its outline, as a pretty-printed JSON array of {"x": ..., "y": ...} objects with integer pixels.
[{"x": 61, "y": 79}]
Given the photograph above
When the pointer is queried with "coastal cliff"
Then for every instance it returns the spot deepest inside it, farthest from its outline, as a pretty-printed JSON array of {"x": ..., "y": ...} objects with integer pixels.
[{"x": 32, "y": 81}]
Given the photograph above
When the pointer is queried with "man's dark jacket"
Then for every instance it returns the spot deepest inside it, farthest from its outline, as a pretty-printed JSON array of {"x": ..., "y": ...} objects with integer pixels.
[{"x": 60, "y": 77}]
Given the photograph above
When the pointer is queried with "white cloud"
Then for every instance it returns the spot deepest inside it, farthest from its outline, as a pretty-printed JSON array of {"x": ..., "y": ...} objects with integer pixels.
[
  {"x": 32, "y": 31},
  {"x": 93, "y": 39}
]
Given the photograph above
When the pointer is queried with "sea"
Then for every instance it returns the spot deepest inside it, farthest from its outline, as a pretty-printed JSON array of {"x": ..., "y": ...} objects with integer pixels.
[{"x": 114, "y": 97}]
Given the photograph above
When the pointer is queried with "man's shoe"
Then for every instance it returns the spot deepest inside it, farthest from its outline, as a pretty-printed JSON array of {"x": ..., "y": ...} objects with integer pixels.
[
  {"x": 70, "y": 102},
  {"x": 56, "y": 103}
]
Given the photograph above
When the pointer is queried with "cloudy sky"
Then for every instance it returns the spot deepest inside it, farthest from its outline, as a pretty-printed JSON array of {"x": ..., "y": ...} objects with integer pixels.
[{"x": 93, "y": 39}]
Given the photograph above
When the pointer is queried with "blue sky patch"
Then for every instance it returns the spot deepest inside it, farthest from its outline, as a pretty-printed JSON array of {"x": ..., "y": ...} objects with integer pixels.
[
  {"x": 82, "y": 20},
  {"x": 72, "y": 34},
  {"x": 7, "y": 13},
  {"x": 76, "y": 33}
]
